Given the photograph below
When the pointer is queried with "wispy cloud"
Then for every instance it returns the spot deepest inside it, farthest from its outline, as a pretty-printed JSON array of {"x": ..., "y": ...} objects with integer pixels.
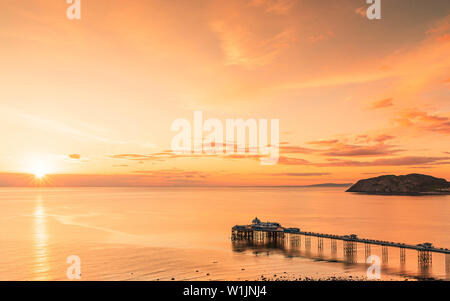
[
  {"x": 361, "y": 11},
  {"x": 57, "y": 126},
  {"x": 424, "y": 121},
  {"x": 399, "y": 161},
  {"x": 243, "y": 47},
  {"x": 274, "y": 6},
  {"x": 346, "y": 150},
  {"x": 383, "y": 103},
  {"x": 301, "y": 174},
  {"x": 367, "y": 146},
  {"x": 248, "y": 41},
  {"x": 74, "y": 156},
  {"x": 320, "y": 37}
]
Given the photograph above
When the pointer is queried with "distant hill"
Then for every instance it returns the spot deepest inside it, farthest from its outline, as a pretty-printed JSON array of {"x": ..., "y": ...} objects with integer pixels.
[
  {"x": 329, "y": 185},
  {"x": 411, "y": 184}
]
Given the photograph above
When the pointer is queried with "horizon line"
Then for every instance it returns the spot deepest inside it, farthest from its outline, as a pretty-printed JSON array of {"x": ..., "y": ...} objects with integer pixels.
[{"x": 182, "y": 186}]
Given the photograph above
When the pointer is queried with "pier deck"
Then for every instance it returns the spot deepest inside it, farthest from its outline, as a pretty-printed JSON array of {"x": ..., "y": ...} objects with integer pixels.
[{"x": 277, "y": 231}]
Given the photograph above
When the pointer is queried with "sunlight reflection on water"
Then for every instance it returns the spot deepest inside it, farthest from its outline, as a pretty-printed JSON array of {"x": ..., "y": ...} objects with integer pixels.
[{"x": 40, "y": 236}]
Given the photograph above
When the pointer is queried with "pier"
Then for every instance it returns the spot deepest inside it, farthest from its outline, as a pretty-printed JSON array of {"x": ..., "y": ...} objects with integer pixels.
[{"x": 261, "y": 231}]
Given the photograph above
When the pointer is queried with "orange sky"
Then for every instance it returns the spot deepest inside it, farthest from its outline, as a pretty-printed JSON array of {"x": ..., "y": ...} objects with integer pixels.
[{"x": 91, "y": 101}]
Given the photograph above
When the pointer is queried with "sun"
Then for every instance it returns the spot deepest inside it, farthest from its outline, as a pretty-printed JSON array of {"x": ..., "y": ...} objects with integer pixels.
[
  {"x": 39, "y": 168},
  {"x": 39, "y": 173}
]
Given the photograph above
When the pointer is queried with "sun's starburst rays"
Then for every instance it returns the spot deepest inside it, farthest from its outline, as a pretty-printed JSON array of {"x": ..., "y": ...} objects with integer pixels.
[{"x": 39, "y": 167}]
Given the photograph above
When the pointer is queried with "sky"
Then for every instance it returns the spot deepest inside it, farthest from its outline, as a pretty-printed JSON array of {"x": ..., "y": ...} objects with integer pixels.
[{"x": 90, "y": 102}]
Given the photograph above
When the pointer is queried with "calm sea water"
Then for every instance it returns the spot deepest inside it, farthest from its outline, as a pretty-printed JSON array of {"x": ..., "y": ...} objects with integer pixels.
[{"x": 184, "y": 233}]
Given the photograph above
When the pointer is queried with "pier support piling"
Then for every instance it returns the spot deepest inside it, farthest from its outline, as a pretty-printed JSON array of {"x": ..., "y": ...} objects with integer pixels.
[
  {"x": 424, "y": 257},
  {"x": 447, "y": 265},
  {"x": 402, "y": 255},
  {"x": 385, "y": 254},
  {"x": 333, "y": 247},
  {"x": 295, "y": 240},
  {"x": 424, "y": 261},
  {"x": 350, "y": 251},
  {"x": 307, "y": 243},
  {"x": 320, "y": 244},
  {"x": 367, "y": 250}
]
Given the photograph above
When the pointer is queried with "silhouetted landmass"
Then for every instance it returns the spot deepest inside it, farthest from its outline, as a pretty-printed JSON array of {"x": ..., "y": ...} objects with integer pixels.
[{"x": 412, "y": 184}]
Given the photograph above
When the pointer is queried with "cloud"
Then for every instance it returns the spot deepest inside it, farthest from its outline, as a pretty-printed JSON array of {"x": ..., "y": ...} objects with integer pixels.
[
  {"x": 246, "y": 39},
  {"x": 292, "y": 161},
  {"x": 399, "y": 161},
  {"x": 324, "y": 142},
  {"x": 440, "y": 28},
  {"x": 443, "y": 38},
  {"x": 330, "y": 150},
  {"x": 173, "y": 173},
  {"x": 290, "y": 149},
  {"x": 243, "y": 47},
  {"x": 364, "y": 145},
  {"x": 384, "y": 103},
  {"x": 361, "y": 11},
  {"x": 282, "y": 160},
  {"x": 161, "y": 156},
  {"x": 301, "y": 174},
  {"x": 82, "y": 131},
  {"x": 358, "y": 150},
  {"x": 425, "y": 121},
  {"x": 376, "y": 173},
  {"x": 320, "y": 37},
  {"x": 281, "y": 7},
  {"x": 383, "y": 138},
  {"x": 412, "y": 68}
]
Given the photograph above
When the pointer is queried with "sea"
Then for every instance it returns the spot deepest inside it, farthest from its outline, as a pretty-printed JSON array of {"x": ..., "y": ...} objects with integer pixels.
[{"x": 184, "y": 233}]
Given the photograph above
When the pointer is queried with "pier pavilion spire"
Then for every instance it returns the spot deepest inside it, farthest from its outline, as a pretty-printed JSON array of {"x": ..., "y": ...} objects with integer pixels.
[{"x": 256, "y": 221}]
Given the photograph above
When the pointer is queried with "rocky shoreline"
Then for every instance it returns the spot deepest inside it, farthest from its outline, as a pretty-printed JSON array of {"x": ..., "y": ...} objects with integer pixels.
[{"x": 295, "y": 277}]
